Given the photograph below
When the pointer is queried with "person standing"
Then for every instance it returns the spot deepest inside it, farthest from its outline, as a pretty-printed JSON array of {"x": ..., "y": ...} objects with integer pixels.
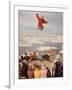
[
  {"x": 30, "y": 72},
  {"x": 37, "y": 72},
  {"x": 43, "y": 71}
]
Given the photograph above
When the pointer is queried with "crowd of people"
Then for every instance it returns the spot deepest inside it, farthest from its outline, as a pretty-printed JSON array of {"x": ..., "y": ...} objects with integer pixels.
[
  {"x": 27, "y": 70},
  {"x": 30, "y": 56}
]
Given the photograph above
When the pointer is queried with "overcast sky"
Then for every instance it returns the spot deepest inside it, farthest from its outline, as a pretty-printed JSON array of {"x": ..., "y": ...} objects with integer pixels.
[{"x": 28, "y": 22}]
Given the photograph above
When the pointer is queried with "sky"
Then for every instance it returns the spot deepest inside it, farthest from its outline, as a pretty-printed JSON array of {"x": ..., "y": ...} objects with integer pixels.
[{"x": 27, "y": 22}]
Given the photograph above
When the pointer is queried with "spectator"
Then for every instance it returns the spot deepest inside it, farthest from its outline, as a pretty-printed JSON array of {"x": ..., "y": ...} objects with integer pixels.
[
  {"x": 59, "y": 69},
  {"x": 30, "y": 56},
  {"x": 30, "y": 72},
  {"x": 46, "y": 56},
  {"x": 37, "y": 72},
  {"x": 24, "y": 71},
  {"x": 39, "y": 57},
  {"x": 48, "y": 73},
  {"x": 26, "y": 57},
  {"x": 20, "y": 67},
  {"x": 43, "y": 71},
  {"x": 34, "y": 55}
]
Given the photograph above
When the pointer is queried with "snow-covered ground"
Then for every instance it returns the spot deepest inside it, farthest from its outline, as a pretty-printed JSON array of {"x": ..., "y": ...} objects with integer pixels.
[
  {"x": 26, "y": 39},
  {"x": 39, "y": 41}
]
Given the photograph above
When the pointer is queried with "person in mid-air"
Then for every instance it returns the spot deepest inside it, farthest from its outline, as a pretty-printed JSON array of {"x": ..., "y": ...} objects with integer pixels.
[{"x": 41, "y": 21}]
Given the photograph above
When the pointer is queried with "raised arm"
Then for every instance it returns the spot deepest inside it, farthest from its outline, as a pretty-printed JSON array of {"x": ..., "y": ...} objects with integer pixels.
[{"x": 37, "y": 16}]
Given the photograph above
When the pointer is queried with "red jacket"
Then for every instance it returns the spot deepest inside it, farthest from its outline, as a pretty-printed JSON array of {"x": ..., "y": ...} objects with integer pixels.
[{"x": 41, "y": 21}]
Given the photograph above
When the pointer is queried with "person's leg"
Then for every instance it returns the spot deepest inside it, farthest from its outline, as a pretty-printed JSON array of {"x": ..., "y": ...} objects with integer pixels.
[{"x": 42, "y": 28}]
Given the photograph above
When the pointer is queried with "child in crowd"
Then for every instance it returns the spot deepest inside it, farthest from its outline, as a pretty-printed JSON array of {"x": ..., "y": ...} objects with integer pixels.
[
  {"x": 43, "y": 71},
  {"x": 37, "y": 72}
]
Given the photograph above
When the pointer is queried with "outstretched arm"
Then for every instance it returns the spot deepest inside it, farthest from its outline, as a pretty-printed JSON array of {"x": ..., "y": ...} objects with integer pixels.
[{"x": 45, "y": 21}]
